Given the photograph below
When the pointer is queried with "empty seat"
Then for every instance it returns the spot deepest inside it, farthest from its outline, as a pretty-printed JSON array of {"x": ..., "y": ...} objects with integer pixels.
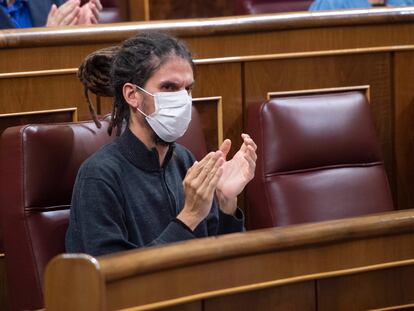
[{"x": 318, "y": 159}]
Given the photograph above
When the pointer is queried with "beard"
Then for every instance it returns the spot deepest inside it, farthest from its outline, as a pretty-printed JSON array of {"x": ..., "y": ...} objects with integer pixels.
[{"x": 158, "y": 140}]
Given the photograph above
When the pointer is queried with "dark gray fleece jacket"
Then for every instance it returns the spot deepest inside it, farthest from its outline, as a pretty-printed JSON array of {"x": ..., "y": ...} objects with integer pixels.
[{"x": 123, "y": 199}]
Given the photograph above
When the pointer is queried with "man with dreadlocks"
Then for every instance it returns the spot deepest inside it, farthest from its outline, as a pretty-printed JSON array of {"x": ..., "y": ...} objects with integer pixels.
[{"x": 143, "y": 189}]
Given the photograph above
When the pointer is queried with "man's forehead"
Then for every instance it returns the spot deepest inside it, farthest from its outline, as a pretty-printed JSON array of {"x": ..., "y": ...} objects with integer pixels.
[{"x": 174, "y": 73}]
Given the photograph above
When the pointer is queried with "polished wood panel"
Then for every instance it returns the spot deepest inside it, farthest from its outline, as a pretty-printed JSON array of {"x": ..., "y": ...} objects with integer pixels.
[
  {"x": 247, "y": 266},
  {"x": 299, "y": 296},
  {"x": 375, "y": 289},
  {"x": 223, "y": 80},
  {"x": 44, "y": 92},
  {"x": 404, "y": 120},
  {"x": 44, "y": 116}
]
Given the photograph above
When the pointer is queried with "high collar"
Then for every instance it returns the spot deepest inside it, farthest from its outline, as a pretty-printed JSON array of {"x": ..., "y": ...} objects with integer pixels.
[{"x": 135, "y": 151}]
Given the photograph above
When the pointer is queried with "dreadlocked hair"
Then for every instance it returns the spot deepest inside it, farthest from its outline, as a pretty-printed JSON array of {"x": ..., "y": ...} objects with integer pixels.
[
  {"x": 94, "y": 73},
  {"x": 135, "y": 62}
]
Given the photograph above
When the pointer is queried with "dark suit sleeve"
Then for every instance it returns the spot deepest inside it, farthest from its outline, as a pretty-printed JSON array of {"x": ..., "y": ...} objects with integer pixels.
[
  {"x": 39, "y": 10},
  {"x": 5, "y": 22}
]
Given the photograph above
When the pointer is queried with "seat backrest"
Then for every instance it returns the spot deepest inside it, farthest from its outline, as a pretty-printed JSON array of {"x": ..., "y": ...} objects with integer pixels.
[
  {"x": 38, "y": 167},
  {"x": 194, "y": 138},
  {"x": 243, "y": 7},
  {"x": 318, "y": 159},
  {"x": 113, "y": 11}
]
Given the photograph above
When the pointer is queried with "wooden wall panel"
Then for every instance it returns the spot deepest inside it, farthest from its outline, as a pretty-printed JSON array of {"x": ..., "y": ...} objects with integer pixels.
[
  {"x": 223, "y": 80},
  {"x": 192, "y": 306},
  {"x": 44, "y": 58},
  {"x": 43, "y": 92},
  {"x": 376, "y": 289},
  {"x": 300, "y": 40},
  {"x": 300, "y": 296},
  {"x": 331, "y": 71},
  {"x": 404, "y": 126}
]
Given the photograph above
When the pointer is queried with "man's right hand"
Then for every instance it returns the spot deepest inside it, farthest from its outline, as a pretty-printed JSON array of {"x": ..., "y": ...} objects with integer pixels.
[
  {"x": 66, "y": 14},
  {"x": 199, "y": 186}
]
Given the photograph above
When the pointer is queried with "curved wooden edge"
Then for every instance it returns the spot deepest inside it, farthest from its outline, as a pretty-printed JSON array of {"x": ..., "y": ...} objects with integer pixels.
[
  {"x": 399, "y": 307},
  {"x": 83, "y": 269},
  {"x": 207, "y": 26},
  {"x": 363, "y": 88},
  {"x": 141, "y": 261}
]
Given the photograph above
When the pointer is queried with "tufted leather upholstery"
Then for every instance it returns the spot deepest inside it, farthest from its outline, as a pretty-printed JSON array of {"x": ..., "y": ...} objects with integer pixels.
[
  {"x": 270, "y": 6},
  {"x": 38, "y": 167},
  {"x": 318, "y": 159}
]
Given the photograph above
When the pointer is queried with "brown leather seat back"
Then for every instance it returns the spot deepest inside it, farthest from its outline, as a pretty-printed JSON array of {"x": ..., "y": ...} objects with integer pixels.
[
  {"x": 318, "y": 159},
  {"x": 194, "y": 139},
  {"x": 38, "y": 167},
  {"x": 270, "y": 6}
]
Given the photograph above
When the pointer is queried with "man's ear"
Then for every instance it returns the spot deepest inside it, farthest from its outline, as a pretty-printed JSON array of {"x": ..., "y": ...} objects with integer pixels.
[{"x": 131, "y": 96}]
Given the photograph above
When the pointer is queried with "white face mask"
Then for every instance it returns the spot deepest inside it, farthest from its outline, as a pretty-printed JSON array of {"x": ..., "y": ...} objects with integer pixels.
[{"x": 172, "y": 114}]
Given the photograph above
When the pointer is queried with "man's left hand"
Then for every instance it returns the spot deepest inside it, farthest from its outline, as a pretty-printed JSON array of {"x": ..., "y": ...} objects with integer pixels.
[{"x": 237, "y": 172}]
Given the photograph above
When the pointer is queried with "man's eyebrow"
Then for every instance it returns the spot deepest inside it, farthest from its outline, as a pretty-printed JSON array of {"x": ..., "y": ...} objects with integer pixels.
[{"x": 168, "y": 83}]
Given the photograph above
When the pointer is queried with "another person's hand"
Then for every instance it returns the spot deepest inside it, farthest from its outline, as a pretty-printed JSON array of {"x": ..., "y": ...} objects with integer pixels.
[
  {"x": 89, "y": 12},
  {"x": 199, "y": 186},
  {"x": 66, "y": 14},
  {"x": 237, "y": 172}
]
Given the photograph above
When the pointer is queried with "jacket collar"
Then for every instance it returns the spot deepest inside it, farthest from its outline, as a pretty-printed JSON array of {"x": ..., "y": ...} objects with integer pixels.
[{"x": 135, "y": 151}]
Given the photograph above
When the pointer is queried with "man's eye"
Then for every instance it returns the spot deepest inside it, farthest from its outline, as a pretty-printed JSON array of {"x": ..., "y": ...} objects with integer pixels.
[{"x": 169, "y": 88}]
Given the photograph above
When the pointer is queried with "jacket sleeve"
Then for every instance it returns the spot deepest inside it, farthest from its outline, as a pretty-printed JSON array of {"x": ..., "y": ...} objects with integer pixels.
[
  {"x": 98, "y": 221},
  {"x": 221, "y": 223}
]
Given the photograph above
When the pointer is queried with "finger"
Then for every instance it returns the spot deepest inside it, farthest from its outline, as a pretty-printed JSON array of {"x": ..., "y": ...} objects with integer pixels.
[
  {"x": 98, "y": 4},
  {"x": 52, "y": 12},
  {"x": 74, "y": 21},
  {"x": 198, "y": 166},
  {"x": 71, "y": 17},
  {"x": 67, "y": 12},
  {"x": 251, "y": 157},
  {"x": 207, "y": 188},
  {"x": 252, "y": 153},
  {"x": 212, "y": 185},
  {"x": 93, "y": 19},
  {"x": 51, "y": 16},
  {"x": 94, "y": 10},
  {"x": 208, "y": 170},
  {"x": 247, "y": 141},
  {"x": 225, "y": 147}
]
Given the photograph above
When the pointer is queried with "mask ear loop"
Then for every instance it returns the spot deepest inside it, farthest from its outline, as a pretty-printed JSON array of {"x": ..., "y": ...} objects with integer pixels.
[{"x": 143, "y": 90}]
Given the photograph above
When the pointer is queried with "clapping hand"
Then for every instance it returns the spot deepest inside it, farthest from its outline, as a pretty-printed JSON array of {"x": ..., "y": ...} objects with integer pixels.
[
  {"x": 71, "y": 13},
  {"x": 237, "y": 172}
]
